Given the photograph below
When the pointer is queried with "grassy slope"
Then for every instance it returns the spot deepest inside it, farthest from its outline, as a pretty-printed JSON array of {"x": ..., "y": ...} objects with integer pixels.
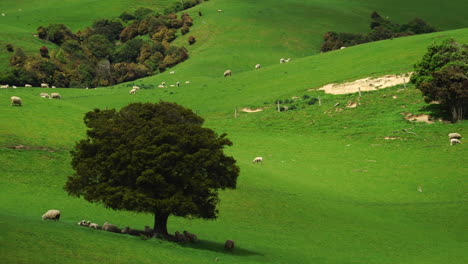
[{"x": 319, "y": 197}]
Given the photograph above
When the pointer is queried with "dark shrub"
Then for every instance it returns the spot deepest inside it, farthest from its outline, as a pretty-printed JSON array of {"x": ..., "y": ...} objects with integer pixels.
[
  {"x": 9, "y": 47},
  {"x": 312, "y": 101},
  {"x": 44, "y": 51},
  {"x": 142, "y": 12},
  {"x": 125, "y": 16},
  {"x": 191, "y": 40},
  {"x": 305, "y": 96},
  {"x": 184, "y": 30},
  {"x": 110, "y": 29},
  {"x": 292, "y": 107}
]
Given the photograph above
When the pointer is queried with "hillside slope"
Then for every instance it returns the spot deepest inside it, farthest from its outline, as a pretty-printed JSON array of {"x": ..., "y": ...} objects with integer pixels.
[{"x": 332, "y": 189}]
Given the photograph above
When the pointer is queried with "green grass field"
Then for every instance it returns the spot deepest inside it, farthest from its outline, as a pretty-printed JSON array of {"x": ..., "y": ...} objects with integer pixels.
[{"x": 331, "y": 189}]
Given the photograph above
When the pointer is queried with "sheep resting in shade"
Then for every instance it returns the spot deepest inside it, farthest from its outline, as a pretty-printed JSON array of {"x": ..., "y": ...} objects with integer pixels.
[
  {"x": 110, "y": 228},
  {"x": 51, "y": 215}
]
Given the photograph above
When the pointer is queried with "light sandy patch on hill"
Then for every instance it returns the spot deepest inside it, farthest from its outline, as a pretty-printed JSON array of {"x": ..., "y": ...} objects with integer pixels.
[
  {"x": 366, "y": 84},
  {"x": 248, "y": 110}
]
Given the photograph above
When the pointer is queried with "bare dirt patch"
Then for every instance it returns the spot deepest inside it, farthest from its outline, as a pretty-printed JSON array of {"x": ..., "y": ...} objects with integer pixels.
[
  {"x": 248, "y": 110},
  {"x": 366, "y": 84},
  {"x": 419, "y": 118}
]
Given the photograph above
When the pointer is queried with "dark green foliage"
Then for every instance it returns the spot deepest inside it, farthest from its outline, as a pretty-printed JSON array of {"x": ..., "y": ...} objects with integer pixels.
[
  {"x": 125, "y": 16},
  {"x": 312, "y": 101},
  {"x": 18, "y": 58},
  {"x": 110, "y": 29},
  {"x": 442, "y": 75},
  {"x": 292, "y": 107},
  {"x": 9, "y": 47},
  {"x": 152, "y": 158},
  {"x": 143, "y": 12},
  {"x": 129, "y": 51},
  {"x": 191, "y": 40},
  {"x": 18, "y": 76},
  {"x": 98, "y": 46},
  {"x": 56, "y": 33},
  {"x": 305, "y": 96},
  {"x": 382, "y": 28}
]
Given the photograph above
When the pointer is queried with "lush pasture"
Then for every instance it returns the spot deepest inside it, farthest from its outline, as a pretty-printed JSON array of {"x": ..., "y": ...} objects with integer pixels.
[{"x": 331, "y": 189}]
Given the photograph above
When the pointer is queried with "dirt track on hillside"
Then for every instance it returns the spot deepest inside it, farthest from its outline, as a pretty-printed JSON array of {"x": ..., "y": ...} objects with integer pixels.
[{"x": 366, "y": 84}]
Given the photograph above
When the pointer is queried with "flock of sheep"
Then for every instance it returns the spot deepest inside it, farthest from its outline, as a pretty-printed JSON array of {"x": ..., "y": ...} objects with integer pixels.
[
  {"x": 184, "y": 237},
  {"x": 257, "y": 66}
]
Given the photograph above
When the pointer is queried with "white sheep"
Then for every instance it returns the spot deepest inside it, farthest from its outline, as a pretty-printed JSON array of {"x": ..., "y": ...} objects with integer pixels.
[
  {"x": 257, "y": 66},
  {"x": 220, "y": 10},
  {"x": 4, "y": 86},
  {"x": 84, "y": 223},
  {"x": 172, "y": 85},
  {"x": 172, "y": 72},
  {"x": 55, "y": 95},
  {"x": 94, "y": 225},
  {"x": 454, "y": 141},
  {"x": 258, "y": 160},
  {"x": 227, "y": 73},
  {"x": 282, "y": 60},
  {"x": 53, "y": 87},
  {"x": 454, "y": 135},
  {"x": 51, "y": 215},
  {"x": 28, "y": 85},
  {"x": 44, "y": 95},
  {"x": 132, "y": 91},
  {"x": 187, "y": 82},
  {"x": 343, "y": 48},
  {"x": 15, "y": 100},
  {"x": 177, "y": 84},
  {"x": 44, "y": 85},
  {"x": 160, "y": 86},
  {"x": 135, "y": 88},
  {"x": 288, "y": 60},
  {"x": 163, "y": 83},
  {"x": 14, "y": 87}
]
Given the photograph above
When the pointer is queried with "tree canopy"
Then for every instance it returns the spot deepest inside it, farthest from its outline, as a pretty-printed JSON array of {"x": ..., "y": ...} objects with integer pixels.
[
  {"x": 442, "y": 75},
  {"x": 152, "y": 158}
]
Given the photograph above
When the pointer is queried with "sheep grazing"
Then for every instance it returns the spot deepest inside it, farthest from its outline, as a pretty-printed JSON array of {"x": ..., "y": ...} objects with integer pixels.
[
  {"x": 55, "y": 95},
  {"x": 288, "y": 60},
  {"x": 454, "y": 135},
  {"x": 160, "y": 86},
  {"x": 343, "y": 48},
  {"x": 220, "y": 10},
  {"x": 454, "y": 141},
  {"x": 44, "y": 95},
  {"x": 44, "y": 85},
  {"x": 191, "y": 237},
  {"x": 172, "y": 72},
  {"x": 94, "y": 225},
  {"x": 258, "y": 160},
  {"x": 110, "y": 228},
  {"x": 28, "y": 85},
  {"x": 172, "y": 85},
  {"x": 187, "y": 82},
  {"x": 257, "y": 66},
  {"x": 229, "y": 245},
  {"x": 14, "y": 87},
  {"x": 15, "y": 100},
  {"x": 51, "y": 215},
  {"x": 227, "y": 73},
  {"x": 135, "y": 88},
  {"x": 163, "y": 83},
  {"x": 177, "y": 84},
  {"x": 4, "y": 86},
  {"x": 282, "y": 60},
  {"x": 132, "y": 91},
  {"x": 53, "y": 87}
]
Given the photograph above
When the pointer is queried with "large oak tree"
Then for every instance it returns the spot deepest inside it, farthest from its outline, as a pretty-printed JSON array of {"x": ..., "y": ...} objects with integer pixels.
[{"x": 152, "y": 158}]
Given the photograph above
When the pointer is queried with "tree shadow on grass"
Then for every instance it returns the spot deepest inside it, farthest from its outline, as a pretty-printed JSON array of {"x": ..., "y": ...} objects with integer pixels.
[
  {"x": 219, "y": 248},
  {"x": 437, "y": 111}
]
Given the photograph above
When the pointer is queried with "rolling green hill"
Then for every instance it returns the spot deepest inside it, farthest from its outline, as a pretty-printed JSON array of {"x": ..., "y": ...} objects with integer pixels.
[{"x": 331, "y": 189}]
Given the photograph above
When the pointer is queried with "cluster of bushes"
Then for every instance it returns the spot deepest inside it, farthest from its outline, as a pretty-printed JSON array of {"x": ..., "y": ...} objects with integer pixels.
[
  {"x": 293, "y": 104},
  {"x": 103, "y": 54},
  {"x": 381, "y": 28}
]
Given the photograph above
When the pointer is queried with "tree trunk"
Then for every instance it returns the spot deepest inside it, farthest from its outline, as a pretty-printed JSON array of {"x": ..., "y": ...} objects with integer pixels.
[{"x": 160, "y": 223}]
